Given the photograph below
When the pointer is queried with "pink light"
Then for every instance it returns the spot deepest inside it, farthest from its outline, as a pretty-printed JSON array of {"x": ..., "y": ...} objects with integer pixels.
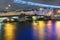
[
  {"x": 49, "y": 23},
  {"x": 49, "y": 26}
]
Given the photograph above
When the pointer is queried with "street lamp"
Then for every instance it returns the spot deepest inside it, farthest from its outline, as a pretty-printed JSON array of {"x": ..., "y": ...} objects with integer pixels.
[{"x": 7, "y": 7}]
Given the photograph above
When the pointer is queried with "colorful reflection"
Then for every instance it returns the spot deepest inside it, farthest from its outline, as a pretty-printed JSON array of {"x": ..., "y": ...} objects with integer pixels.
[
  {"x": 35, "y": 25},
  {"x": 35, "y": 30},
  {"x": 9, "y": 29},
  {"x": 41, "y": 30},
  {"x": 58, "y": 30},
  {"x": 38, "y": 30},
  {"x": 49, "y": 29}
]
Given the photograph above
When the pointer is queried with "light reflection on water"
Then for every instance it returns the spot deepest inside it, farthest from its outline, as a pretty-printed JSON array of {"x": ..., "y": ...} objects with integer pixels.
[
  {"x": 39, "y": 33},
  {"x": 9, "y": 29},
  {"x": 41, "y": 28},
  {"x": 49, "y": 29},
  {"x": 58, "y": 30},
  {"x": 35, "y": 30}
]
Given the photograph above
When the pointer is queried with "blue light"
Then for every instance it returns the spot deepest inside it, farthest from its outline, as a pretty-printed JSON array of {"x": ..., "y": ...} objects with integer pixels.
[
  {"x": 35, "y": 4},
  {"x": 30, "y": 3},
  {"x": 23, "y": 2}
]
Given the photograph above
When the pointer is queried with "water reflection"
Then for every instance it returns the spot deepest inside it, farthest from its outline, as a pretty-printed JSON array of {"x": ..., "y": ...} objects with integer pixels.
[
  {"x": 9, "y": 29},
  {"x": 58, "y": 30},
  {"x": 40, "y": 30},
  {"x": 35, "y": 30},
  {"x": 49, "y": 29},
  {"x": 24, "y": 31}
]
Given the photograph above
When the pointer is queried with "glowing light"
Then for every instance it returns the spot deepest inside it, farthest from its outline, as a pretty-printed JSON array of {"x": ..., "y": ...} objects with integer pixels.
[
  {"x": 12, "y": 19},
  {"x": 9, "y": 5},
  {"x": 34, "y": 18},
  {"x": 15, "y": 17},
  {"x": 41, "y": 8},
  {"x": 6, "y": 7},
  {"x": 8, "y": 19},
  {"x": 35, "y": 4},
  {"x": 58, "y": 11},
  {"x": 9, "y": 29},
  {"x": 49, "y": 27},
  {"x": 41, "y": 28},
  {"x": 49, "y": 23},
  {"x": 35, "y": 25},
  {"x": 35, "y": 29},
  {"x": 58, "y": 29}
]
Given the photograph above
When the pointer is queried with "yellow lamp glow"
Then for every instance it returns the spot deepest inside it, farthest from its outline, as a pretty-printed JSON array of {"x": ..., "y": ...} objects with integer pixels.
[
  {"x": 58, "y": 29},
  {"x": 9, "y": 29},
  {"x": 12, "y": 19},
  {"x": 41, "y": 27},
  {"x": 58, "y": 11}
]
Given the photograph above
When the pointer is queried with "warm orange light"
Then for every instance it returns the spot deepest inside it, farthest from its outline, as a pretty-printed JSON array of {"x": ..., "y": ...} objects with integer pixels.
[
  {"x": 58, "y": 11},
  {"x": 9, "y": 31},
  {"x": 12, "y": 19},
  {"x": 58, "y": 23},
  {"x": 58, "y": 29},
  {"x": 41, "y": 8},
  {"x": 41, "y": 28},
  {"x": 41, "y": 23},
  {"x": 35, "y": 25}
]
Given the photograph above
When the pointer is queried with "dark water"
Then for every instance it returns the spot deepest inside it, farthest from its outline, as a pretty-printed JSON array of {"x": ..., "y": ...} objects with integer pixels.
[{"x": 24, "y": 31}]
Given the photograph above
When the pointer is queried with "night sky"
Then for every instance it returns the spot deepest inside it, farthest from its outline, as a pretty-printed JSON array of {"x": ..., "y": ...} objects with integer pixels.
[{"x": 15, "y": 6}]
